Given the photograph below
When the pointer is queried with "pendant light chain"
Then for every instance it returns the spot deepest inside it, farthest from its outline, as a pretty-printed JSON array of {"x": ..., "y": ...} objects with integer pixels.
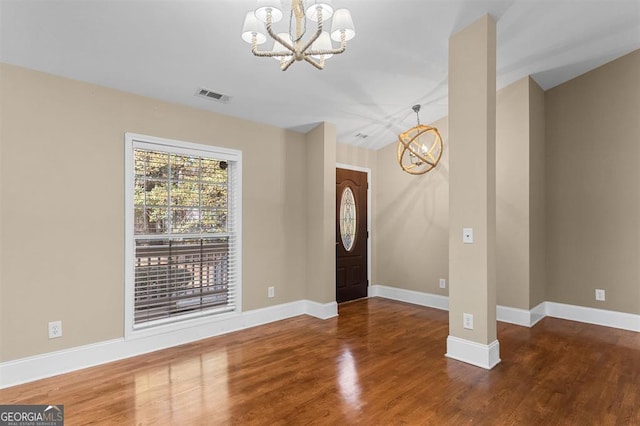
[
  {"x": 416, "y": 109},
  {"x": 299, "y": 13}
]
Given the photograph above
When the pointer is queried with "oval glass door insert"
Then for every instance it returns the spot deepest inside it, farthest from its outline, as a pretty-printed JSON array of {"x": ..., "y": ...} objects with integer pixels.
[{"x": 347, "y": 219}]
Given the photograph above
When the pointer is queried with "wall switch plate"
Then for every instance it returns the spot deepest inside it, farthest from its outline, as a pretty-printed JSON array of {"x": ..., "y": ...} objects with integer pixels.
[
  {"x": 600, "y": 295},
  {"x": 271, "y": 292},
  {"x": 467, "y": 321},
  {"x": 467, "y": 235},
  {"x": 443, "y": 283},
  {"x": 55, "y": 329}
]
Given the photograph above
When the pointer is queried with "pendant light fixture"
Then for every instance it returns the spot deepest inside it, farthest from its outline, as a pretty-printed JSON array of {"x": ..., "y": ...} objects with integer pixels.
[
  {"x": 419, "y": 148},
  {"x": 289, "y": 46}
]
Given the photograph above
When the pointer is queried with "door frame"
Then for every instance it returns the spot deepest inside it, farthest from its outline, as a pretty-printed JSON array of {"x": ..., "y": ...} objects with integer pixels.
[{"x": 366, "y": 170}]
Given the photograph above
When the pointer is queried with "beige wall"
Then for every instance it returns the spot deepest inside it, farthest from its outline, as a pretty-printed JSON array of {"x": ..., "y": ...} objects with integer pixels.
[
  {"x": 520, "y": 222},
  {"x": 537, "y": 218},
  {"x": 593, "y": 187},
  {"x": 62, "y": 237},
  {"x": 593, "y": 115},
  {"x": 512, "y": 195},
  {"x": 356, "y": 156},
  {"x": 412, "y": 222},
  {"x": 62, "y": 192},
  {"x": 366, "y": 158},
  {"x": 321, "y": 208}
]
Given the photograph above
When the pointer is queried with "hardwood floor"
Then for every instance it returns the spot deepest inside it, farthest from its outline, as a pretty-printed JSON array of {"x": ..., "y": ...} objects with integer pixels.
[{"x": 379, "y": 363}]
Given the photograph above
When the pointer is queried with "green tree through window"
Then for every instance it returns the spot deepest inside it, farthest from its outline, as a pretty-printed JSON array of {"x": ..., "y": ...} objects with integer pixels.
[
  {"x": 179, "y": 194},
  {"x": 184, "y": 236}
]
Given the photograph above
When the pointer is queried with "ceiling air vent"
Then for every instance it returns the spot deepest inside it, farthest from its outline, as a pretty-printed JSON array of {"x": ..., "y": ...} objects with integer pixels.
[{"x": 211, "y": 95}]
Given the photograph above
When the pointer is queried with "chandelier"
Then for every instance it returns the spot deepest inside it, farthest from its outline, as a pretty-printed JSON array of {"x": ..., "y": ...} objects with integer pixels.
[
  {"x": 419, "y": 148},
  {"x": 289, "y": 46}
]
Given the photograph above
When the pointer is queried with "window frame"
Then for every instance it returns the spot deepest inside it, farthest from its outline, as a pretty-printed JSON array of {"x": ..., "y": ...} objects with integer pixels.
[{"x": 234, "y": 159}]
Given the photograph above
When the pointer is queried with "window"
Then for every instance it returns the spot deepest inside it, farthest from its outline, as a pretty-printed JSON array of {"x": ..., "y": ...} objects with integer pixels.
[
  {"x": 348, "y": 219},
  {"x": 182, "y": 231}
]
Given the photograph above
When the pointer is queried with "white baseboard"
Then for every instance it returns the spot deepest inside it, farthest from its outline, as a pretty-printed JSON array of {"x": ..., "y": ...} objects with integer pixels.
[
  {"x": 523, "y": 317},
  {"x": 537, "y": 313},
  {"x": 321, "y": 310},
  {"x": 484, "y": 356},
  {"x": 517, "y": 316},
  {"x": 595, "y": 316},
  {"x": 513, "y": 315},
  {"x": 46, "y": 365},
  {"x": 410, "y": 296},
  {"x": 504, "y": 313},
  {"x": 51, "y": 364}
]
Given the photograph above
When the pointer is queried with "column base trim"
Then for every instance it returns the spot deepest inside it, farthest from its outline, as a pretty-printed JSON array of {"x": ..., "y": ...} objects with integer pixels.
[{"x": 474, "y": 353}]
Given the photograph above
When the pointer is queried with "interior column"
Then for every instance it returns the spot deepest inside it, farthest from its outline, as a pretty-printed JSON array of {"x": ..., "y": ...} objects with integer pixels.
[
  {"x": 472, "y": 195},
  {"x": 321, "y": 221}
]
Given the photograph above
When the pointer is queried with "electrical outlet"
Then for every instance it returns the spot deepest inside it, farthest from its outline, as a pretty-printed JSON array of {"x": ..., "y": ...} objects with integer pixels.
[
  {"x": 600, "y": 295},
  {"x": 467, "y": 321},
  {"x": 271, "y": 292},
  {"x": 55, "y": 329},
  {"x": 443, "y": 283},
  {"x": 467, "y": 235}
]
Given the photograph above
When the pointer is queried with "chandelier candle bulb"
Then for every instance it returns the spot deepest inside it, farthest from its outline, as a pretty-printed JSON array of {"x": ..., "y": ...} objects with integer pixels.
[
  {"x": 326, "y": 10},
  {"x": 253, "y": 28},
  {"x": 269, "y": 7},
  {"x": 342, "y": 24},
  {"x": 321, "y": 44},
  {"x": 294, "y": 45}
]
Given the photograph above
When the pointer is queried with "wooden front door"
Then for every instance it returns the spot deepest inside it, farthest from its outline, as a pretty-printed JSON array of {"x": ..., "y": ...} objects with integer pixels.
[{"x": 351, "y": 235}]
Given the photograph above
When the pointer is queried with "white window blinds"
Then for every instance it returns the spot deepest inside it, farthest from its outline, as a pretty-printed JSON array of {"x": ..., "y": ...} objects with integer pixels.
[{"x": 184, "y": 235}]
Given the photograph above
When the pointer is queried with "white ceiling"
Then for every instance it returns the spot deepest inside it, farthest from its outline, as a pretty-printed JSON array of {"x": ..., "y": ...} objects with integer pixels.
[{"x": 169, "y": 49}]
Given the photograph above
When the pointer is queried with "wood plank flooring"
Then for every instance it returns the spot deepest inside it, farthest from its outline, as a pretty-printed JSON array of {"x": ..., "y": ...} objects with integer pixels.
[{"x": 380, "y": 362}]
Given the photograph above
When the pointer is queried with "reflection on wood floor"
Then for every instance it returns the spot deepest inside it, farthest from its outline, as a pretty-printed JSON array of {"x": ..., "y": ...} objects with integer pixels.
[{"x": 379, "y": 363}]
